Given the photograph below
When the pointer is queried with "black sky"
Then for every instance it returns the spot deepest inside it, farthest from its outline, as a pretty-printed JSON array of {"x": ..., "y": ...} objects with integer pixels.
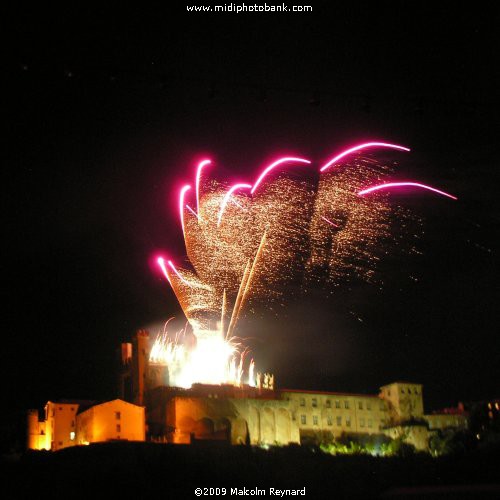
[{"x": 109, "y": 112}]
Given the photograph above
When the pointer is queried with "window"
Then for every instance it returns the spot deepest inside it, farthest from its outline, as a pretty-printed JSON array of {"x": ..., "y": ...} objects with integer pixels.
[
  {"x": 346, "y": 404},
  {"x": 118, "y": 428},
  {"x": 72, "y": 436},
  {"x": 72, "y": 408},
  {"x": 314, "y": 402},
  {"x": 348, "y": 421},
  {"x": 337, "y": 404},
  {"x": 303, "y": 420},
  {"x": 339, "y": 420},
  {"x": 402, "y": 391},
  {"x": 361, "y": 422},
  {"x": 302, "y": 402},
  {"x": 360, "y": 405},
  {"x": 370, "y": 423},
  {"x": 329, "y": 420},
  {"x": 388, "y": 392},
  {"x": 118, "y": 415},
  {"x": 315, "y": 420},
  {"x": 328, "y": 403},
  {"x": 72, "y": 423},
  {"x": 368, "y": 406}
]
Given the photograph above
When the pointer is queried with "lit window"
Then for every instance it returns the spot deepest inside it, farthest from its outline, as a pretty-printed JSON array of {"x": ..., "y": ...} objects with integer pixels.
[
  {"x": 346, "y": 404},
  {"x": 302, "y": 402},
  {"x": 339, "y": 420},
  {"x": 315, "y": 420},
  {"x": 303, "y": 419},
  {"x": 328, "y": 403},
  {"x": 337, "y": 404},
  {"x": 361, "y": 422},
  {"x": 118, "y": 428},
  {"x": 329, "y": 420},
  {"x": 72, "y": 436},
  {"x": 314, "y": 403},
  {"x": 118, "y": 415},
  {"x": 360, "y": 405}
]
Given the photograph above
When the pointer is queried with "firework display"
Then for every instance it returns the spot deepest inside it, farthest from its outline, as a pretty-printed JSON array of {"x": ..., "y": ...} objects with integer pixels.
[{"x": 251, "y": 240}]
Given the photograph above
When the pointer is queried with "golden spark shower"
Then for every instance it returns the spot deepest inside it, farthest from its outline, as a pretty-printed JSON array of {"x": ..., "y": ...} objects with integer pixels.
[{"x": 294, "y": 223}]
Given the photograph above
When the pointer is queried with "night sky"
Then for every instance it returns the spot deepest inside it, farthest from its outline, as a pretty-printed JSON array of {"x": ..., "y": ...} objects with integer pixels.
[{"x": 109, "y": 112}]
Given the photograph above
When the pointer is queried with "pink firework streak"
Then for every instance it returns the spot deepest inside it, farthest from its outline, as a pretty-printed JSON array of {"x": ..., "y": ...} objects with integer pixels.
[
  {"x": 359, "y": 147},
  {"x": 161, "y": 263},
  {"x": 257, "y": 182},
  {"x": 404, "y": 184},
  {"x": 198, "y": 177},
  {"x": 227, "y": 196},
  {"x": 275, "y": 164},
  {"x": 193, "y": 212},
  {"x": 185, "y": 188},
  {"x": 330, "y": 222},
  {"x": 174, "y": 269}
]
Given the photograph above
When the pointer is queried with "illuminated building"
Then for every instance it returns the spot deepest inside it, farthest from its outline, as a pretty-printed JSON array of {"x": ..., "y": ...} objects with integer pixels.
[
  {"x": 75, "y": 422},
  {"x": 57, "y": 429},
  {"x": 237, "y": 414},
  {"x": 112, "y": 420},
  {"x": 267, "y": 416}
]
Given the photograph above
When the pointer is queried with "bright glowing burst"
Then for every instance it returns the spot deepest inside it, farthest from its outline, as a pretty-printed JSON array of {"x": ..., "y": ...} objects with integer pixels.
[
  {"x": 213, "y": 360},
  {"x": 274, "y": 233}
]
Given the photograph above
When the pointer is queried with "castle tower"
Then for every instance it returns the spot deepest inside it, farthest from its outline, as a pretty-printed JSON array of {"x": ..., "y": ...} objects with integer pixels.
[
  {"x": 405, "y": 401},
  {"x": 139, "y": 368},
  {"x": 36, "y": 439}
]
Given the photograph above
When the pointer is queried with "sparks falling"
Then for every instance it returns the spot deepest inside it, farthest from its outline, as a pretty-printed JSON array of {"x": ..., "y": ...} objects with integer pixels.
[{"x": 251, "y": 240}]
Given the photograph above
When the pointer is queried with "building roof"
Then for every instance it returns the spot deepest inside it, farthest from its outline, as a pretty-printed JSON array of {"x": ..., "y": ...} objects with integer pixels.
[
  {"x": 100, "y": 403},
  {"x": 401, "y": 382},
  {"x": 328, "y": 393},
  {"x": 82, "y": 402}
]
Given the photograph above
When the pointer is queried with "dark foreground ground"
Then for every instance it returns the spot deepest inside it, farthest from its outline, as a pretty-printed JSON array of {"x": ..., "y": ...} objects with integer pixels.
[{"x": 147, "y": 470}]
